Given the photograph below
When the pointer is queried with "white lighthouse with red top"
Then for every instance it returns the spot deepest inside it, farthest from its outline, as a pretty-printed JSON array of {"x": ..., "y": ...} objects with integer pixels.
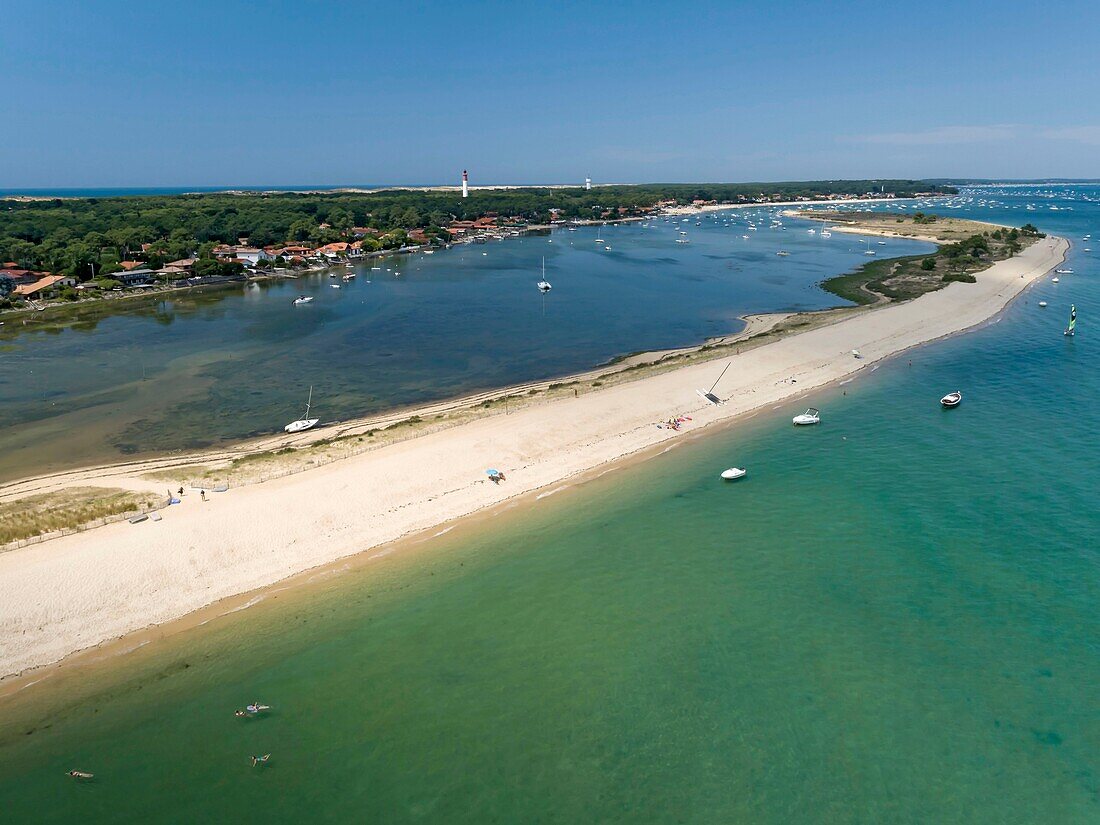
[{"x": 465, "y": 185}]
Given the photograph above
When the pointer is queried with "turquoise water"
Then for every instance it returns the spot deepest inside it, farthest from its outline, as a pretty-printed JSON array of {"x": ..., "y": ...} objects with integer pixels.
[
  {"x": 201, "y": 370},
  {"x": 892, "y": 619}
]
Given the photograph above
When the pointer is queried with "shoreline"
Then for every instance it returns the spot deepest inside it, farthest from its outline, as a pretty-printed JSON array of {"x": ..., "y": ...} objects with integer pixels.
[
  {"x": 80, "y": 591},
  {"x": 66, "y": 312}
]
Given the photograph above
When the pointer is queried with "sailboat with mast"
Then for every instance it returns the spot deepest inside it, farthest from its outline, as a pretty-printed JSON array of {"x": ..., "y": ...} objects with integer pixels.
[
  {"x": 1072, "y": 328},
  {"x": 544, "y": 285},
  {"x": 305, "y": 422}
]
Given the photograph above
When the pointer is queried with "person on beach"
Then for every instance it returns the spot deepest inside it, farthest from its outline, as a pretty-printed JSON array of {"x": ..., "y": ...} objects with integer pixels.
[
  {"x": 181, "y": 492},
  {"x": 256, "y": 760},
  {"x": 202, "y": 494}
]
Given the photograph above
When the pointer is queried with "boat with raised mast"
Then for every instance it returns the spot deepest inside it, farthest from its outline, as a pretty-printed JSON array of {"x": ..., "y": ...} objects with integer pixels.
[
  {"x": 1071, "y": 330},
  {"x": 305, "y": 422},
  {"x": 544, "y": 285}
]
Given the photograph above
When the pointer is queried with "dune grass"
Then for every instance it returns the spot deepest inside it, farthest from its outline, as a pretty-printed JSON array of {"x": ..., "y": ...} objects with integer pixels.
[{"x": 67, "y": 510}]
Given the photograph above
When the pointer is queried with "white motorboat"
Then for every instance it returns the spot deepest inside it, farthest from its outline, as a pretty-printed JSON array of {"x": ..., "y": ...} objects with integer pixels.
[
  {"x": 303, "y": 299},
  {"x": 782, "y": 254},
  {"x": 335, "y": 286},
  {"x": 1042, "y": 303},
  {"x": 952, "y": 399},
  {"x": 811, "y": 416},
  {"x": 305, "y": 422},
  {"x": 1063, "y": 271},
  {"x": 733, "y": 473},
  {"x": 350, "y": 276},
  {"x": 1054, "y": 280}
]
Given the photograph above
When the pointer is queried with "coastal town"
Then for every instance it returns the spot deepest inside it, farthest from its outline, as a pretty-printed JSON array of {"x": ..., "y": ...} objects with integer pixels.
[{"x": 121, "y": 271}]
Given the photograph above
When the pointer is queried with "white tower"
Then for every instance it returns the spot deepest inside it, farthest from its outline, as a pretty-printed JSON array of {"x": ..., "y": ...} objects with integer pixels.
[
  {"x": 588, "y": 183},
  {"x": 465, "y": 185}
]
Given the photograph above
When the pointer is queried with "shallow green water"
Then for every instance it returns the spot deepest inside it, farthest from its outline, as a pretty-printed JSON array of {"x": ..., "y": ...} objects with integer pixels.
[{"x": 892, "y": 619}]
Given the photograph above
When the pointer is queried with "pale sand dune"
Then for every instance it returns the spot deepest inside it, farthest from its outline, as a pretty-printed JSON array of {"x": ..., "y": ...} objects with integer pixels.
[{"x": 75, "y": 592}]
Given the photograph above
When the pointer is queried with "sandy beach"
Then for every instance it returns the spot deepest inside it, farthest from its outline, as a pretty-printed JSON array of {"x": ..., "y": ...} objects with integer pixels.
[{"x": 78, "y": 591}]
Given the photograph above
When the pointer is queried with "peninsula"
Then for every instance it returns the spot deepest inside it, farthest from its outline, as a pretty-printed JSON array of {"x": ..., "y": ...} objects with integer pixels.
[{"x": 81, "y": 590}]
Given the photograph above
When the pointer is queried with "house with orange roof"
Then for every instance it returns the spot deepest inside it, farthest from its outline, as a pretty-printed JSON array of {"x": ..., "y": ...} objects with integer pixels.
[{"x": 44, "y": 287}]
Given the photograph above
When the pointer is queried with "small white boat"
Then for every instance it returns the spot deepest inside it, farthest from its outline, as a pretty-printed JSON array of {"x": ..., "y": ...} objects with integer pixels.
[
  {"x": 1042, "y": 303},
  {"x": 305, "y": 422},
  {"x": 882, "y": 243},
  {"x": 335, "y": 286},
  {"x": 350, "y": 276},
  {"x": 811, "y": 416},
  {"x": 1054, "y": 280},
  {"x": 544, "y": 285},
  {"x": 303, "y": 299},
  {"x": 825, "y": 233},
  {"x": 733, "y": 473},
  {"x": 856, "y": 353},
  {"x": 1063, "y": 271},
  {"x": 782, "y": 254},
  {"x": 952, "y": 399}
]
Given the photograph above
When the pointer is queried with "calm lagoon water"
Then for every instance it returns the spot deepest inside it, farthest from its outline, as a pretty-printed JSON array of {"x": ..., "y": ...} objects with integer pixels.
[
  {"x": 892, "y": 619},
  {"x": 207, "y": 369}
]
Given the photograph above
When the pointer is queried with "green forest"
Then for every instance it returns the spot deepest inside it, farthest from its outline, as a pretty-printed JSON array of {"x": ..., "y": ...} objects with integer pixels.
[{"x": 88, "y": 237}]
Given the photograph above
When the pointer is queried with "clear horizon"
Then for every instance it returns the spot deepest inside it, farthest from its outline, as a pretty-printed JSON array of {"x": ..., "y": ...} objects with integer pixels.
[{"x": 124, "y": 95}]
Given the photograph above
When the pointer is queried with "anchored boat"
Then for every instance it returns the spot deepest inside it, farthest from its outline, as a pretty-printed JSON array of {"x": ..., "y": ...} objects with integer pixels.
[{"x": 811, "y": 416}]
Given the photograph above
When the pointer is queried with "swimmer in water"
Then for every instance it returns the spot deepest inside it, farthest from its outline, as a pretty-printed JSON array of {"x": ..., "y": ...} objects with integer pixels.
[{"x": 256, "y": 760}]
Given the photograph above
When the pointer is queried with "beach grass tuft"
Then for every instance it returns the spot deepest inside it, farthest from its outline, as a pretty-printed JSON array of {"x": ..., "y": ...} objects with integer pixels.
[{"x": 67, "y": 510}]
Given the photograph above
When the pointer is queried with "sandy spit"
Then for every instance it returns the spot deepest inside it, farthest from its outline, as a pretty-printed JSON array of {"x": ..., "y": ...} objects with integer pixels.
[{"x": 76, "y": 592}]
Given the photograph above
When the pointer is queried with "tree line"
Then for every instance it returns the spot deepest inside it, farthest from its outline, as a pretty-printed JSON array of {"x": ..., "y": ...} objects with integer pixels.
[{"x": 90, "y": 237}]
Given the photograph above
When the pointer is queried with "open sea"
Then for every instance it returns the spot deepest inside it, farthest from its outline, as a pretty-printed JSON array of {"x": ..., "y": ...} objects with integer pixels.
[{"x": 891, "y": 619}]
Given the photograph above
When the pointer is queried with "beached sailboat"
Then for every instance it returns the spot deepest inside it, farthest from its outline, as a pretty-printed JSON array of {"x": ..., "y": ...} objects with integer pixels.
[
  {"x": 1072, "y": 328},
  {"x": 305, "y": 422}
]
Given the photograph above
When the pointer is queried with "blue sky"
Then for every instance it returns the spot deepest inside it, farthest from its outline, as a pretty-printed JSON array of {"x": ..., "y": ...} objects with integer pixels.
[{"x": 118, "y": 93}]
